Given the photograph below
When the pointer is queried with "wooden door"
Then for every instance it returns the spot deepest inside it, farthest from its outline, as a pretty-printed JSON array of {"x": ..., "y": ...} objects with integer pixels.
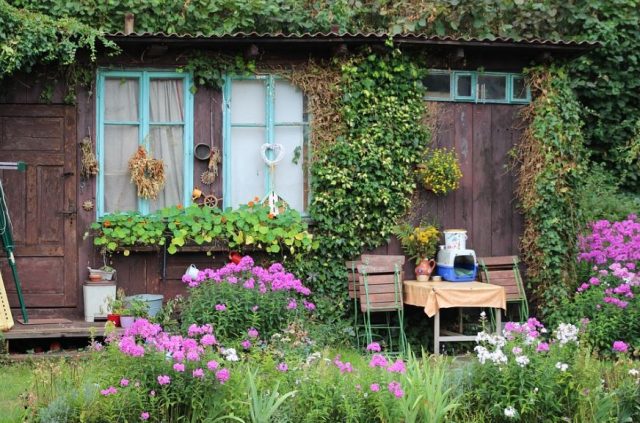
[{"x": 41, "y": 202}]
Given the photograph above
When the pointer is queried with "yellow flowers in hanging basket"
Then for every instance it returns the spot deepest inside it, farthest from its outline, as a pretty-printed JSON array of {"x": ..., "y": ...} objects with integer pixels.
[{"x": 440, "y": 172}]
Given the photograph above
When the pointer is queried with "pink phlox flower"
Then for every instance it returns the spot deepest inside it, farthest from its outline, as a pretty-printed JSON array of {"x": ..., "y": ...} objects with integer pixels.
[
  {"x": 111, "y": 390},
  {"x": 249, "y": 283},
  {"x": 178, "y": 367},
  {"x": 246, "y": 344},
  {"x": 144, "y": 415},
  {"x": 198, "y": 373},
  {"x": 253, "y": 333},
  {"x": 223, "y": 375},
  {"x": 192, "y": 355},
  {"x": 308, "y": 305},
  {"x": 282, "y": 367},
  {"x": 124, "y": 382},
  {"x": 396, "y": 389},
  {"x": 221, "y": 307},
  {"x": 517, "y": 350},
  {"x": 374, "y": 346},
  {"x": 292, "y": 304},
  {"x": 254, "y": 308},
  {"x": 164, "y": 380},
  {"x": 212, "y": 365},
  {"x": 374, "y": 387},
  {"x": 378, "y": 360},
  {"x": 620, "y": 347},
  {"x": 397, "y": 367},
  {"x": 208, "y": 340},
  {"x": 542, "y": 347}
]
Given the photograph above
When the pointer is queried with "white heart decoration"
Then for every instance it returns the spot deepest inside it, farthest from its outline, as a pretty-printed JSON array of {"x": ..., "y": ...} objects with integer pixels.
[{"x": 277, "y": 149}]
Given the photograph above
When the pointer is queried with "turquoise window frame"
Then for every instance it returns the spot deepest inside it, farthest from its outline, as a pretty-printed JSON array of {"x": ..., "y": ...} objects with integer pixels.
[
  {"x": 451, "y": 88},
  {"x": 269, "y": 125},
  {"x": 475, "y": 90},
  {"x": 512, "y": 97},
  {"x": 144, "y": 124},
  {"x": 456, "y": 75}
]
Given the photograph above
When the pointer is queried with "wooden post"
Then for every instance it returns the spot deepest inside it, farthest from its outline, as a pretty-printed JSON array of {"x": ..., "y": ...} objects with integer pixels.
[{"x": 129, "y": 19}]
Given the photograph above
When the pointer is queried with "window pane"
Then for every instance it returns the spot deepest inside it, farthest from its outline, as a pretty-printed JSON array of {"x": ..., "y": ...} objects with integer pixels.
[
  {"x": 121, "y": 98},
  {"x": 120, "y": 143},
  {"x": 464, "y": 86},
  {"x": 519, "y": 88},
  {"x": 492, "y": 87},
  {"x": 289, "y": 176},
  {"x": 166, "y": 100},
  {"x": 438, "y": 85},
  {"x": 247, "y": 171},
  {"x": 166, "y": 143},
  {"x": 288, "y": 103},
  {"x": 248, "y": 102}
]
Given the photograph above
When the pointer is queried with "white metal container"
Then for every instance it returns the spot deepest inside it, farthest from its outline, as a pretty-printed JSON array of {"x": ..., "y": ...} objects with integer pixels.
[
  {"x": 96, "y": 297},
  {"x": 455, "y": 239}
]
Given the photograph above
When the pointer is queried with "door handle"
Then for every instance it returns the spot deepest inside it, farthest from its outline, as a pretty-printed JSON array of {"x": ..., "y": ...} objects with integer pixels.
[{"x": 67, "y": 212}]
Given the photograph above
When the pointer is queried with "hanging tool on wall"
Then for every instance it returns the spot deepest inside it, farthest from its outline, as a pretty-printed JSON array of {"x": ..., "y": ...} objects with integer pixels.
[{"x": 7, "y": 236}]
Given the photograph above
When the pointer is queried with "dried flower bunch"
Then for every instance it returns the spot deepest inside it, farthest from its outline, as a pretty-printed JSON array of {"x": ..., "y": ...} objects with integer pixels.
[
  {"x": 147, "y": 173},
  {"x": 89, "y": 161}
]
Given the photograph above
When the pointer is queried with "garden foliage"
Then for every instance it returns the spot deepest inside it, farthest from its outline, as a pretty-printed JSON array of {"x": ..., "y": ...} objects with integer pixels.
[{"x": 551, "y": 160}]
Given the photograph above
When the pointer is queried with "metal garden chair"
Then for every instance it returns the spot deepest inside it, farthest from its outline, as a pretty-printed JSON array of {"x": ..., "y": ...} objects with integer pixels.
[
  {"x": 379, "y": 290},
  {"x": 505, "y": 271}
]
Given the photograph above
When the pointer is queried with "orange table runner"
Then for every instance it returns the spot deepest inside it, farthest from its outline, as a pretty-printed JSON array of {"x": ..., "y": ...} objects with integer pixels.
[{"x": 436, "y": 295}]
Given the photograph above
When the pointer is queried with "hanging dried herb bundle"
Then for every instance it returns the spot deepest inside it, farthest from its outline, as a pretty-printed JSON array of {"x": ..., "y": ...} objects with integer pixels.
[
  {"x": 147, "y": 173},
  {"x": 89, "y": 161}
]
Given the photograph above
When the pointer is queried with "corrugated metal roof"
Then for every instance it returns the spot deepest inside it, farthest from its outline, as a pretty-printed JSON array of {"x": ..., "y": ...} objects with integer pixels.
[{"x": 358, "y": 36}]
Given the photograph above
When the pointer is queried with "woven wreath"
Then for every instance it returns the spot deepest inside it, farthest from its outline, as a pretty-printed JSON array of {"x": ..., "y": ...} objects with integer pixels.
[{"x": 147, "y": 173}]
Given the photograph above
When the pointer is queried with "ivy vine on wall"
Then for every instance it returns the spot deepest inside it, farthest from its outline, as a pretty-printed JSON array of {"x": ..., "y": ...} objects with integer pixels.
[
  {"x": 363, "y": 181},
  {"x": 551, "y": 161}
]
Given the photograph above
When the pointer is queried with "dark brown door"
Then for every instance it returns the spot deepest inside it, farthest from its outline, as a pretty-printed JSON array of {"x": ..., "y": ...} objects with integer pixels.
[{"x": 41, "y": 202}]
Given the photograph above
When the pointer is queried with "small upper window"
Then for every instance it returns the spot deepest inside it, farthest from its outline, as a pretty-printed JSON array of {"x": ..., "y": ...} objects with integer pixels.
[{"x": 474, "y": 86}]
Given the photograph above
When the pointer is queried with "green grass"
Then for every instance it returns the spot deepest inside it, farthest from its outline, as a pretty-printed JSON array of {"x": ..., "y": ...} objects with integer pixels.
[{"x": 14, "y": 381}]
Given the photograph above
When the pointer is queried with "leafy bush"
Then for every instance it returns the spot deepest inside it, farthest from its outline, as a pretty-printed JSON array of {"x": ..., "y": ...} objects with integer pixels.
[
  {"x": 600, "y": 197},
  {"x": 238, "y": 297}
]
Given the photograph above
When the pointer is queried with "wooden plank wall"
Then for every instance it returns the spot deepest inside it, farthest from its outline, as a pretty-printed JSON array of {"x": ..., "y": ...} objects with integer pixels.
[{"x": 485, "y": 206}]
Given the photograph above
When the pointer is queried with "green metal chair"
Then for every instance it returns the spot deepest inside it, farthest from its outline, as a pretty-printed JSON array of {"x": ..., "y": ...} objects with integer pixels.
[
  {"x": 505, "y": 271},
  {"x": 379, "y": 290}
]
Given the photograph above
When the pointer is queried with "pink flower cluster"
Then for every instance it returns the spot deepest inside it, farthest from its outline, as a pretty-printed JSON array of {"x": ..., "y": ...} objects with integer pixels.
[
  {"x": 530, "y": 329},
  {"x": 344, "y": 367},
  {"x": 620, "y": 347},
  {"x": 611, "y": 241},
  {"x": 275, "y": 278},
  {"x": 378, "y": 360}
]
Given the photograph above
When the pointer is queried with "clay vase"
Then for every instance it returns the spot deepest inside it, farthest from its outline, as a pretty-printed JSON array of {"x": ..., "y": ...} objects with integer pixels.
[{"x": 424, "y": 269}]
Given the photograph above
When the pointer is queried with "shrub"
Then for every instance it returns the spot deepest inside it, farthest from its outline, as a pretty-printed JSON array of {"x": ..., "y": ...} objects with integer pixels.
[{"x": 238, "y": 297}]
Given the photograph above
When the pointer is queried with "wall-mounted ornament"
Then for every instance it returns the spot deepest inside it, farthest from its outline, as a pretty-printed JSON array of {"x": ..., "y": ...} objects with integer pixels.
[
  {"x": 209, "y": 176},
  {"x": 88, "y": 161},
  {"x": 88, "y": 205},
  {"x": 202, "y": 151},
  {"x": 147, "y": 173},
  {"x": 200, "y": 199}
]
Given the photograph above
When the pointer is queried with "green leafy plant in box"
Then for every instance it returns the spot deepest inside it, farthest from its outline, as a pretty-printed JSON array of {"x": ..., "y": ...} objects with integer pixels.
[{"x": 129, "y": 229}]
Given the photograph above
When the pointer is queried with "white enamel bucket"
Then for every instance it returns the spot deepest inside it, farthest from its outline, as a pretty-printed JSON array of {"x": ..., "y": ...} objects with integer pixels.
[{"x": 455, "y": 239}]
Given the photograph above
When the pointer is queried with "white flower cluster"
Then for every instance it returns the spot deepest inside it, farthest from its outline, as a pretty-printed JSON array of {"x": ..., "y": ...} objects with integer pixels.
[
  {"x": 230, "y": 354},
  {"x": 562, "y": 366},
  {"x": 634, "y": 372},
  {"x": 495, "y": 340},
  {"x": 496, "y": 357},
  {"x": 566, "y": 332},
  {"x": 510, "y": 412},
  {"x": 522, "y": 360}
]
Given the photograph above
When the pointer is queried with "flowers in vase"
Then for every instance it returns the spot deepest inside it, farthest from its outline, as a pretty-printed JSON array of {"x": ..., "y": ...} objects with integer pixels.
[{"x": 418, "y": 242}]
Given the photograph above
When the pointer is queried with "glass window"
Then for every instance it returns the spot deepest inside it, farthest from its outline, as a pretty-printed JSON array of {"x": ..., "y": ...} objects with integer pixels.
[
  {"x": 438, "y": 85},
  {"x": 464, "y": 86},
  {"x": 267, "y": 115},
  {"x": 142, "y": 108},
  {"x": 519, "y": 89},
  {"x": 492, "y": 87}
]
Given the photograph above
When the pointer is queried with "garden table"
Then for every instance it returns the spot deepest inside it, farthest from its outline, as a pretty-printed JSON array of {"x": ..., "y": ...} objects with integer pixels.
[{"x": 434, "y": 296}]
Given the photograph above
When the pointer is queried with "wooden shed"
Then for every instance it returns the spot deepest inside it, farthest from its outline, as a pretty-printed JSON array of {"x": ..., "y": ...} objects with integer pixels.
[{"x": 475, "y": 88}]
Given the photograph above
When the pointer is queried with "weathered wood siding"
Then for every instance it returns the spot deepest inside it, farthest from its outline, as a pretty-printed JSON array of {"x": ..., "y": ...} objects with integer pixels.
[{"x": 484, "y": 205}]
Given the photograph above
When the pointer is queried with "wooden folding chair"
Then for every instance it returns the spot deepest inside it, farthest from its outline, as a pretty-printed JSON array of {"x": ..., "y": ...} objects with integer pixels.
[
  {"x": 379, "y": 290},
  {"x": 505, "y": 271}
]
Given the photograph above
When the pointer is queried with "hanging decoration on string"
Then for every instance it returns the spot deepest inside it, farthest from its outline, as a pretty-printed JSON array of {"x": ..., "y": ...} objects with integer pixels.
[
  {"x": 147, "y": 173},
  {"x": 277, "y": 154},
  {"x": 89, "y": 161},
  {"x": 209, "y": 176}
]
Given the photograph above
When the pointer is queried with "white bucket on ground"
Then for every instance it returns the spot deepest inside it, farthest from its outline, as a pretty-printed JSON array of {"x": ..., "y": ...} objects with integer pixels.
[
  {"x": 455, "y": 239},
  {"x": 96, "y": 298}
]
